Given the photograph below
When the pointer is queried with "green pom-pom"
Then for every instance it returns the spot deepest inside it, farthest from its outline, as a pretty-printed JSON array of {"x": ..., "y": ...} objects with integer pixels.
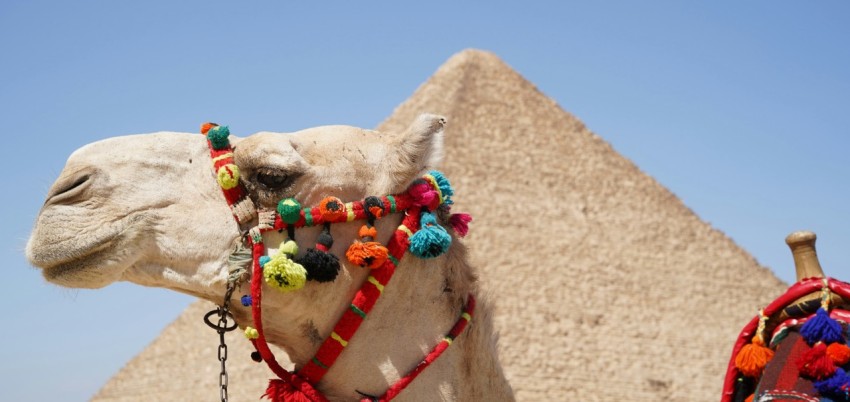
[
  {"x": 284, "y": 274},
  {"x": 288, "y": 247},
  {"x": 218, "y": 137},
  {"x": 289, "y": 210}
]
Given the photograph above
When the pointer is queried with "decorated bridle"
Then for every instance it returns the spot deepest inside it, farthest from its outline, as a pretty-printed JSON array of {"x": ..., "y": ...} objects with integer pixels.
[
  {"x": 420, "y": 233},
  {"x": 819, "y": 361}
]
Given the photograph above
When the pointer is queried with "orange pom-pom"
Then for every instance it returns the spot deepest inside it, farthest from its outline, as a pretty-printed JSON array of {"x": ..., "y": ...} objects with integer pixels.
[
  {"x": 753, "y": 358},
  {"x": 750, "y": 398},
  {"x": 367, "y": 254},
  {"x": 839, "y": 353},
  {"x": 206, "y": 127},
  {"x": 365, "y": 231},
  {"x": 332, "y": 209}
]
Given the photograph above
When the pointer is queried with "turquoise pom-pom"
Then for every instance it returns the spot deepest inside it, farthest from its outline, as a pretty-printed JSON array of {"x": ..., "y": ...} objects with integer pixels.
[
  {"x": 431, "y": 240},
  {"x": 289, "y": 210},
  {"x": 443, "y": 183},
  {"x": 264, "y": 259},
  {"x": 218, "y": 137}
]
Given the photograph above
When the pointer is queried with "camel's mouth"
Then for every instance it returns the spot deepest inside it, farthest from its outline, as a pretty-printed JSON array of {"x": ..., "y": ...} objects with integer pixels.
[{"x": 85, "y": 260}]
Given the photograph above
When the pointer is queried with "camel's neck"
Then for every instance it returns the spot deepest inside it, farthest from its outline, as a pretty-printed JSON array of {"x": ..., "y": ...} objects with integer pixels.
[{"x": 417, "y": 309}]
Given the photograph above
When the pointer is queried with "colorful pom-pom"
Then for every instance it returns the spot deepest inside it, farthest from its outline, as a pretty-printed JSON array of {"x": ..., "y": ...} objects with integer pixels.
[
  {"x": 460, "y": 223},
  {"x": 288, "y": 247},
  {"x": 325, "y": 241},
  {"x": 218, "y": 137},
  {"x": 320, "y": 266},
  {"x": 374, "y": 208},
  {"x": 332, "y": 209},
  {"x": 422, "y": 193},
  {"x": 228, "y": 176},
  {"x": 431, "y": 240},
  {"x": 367, "y": 254},
  {"x": 284, "y": 274},
  {"x": 821, "y": 328},
  {"x": 282, "y": 391},
  {"x": 246, "y": 300},
  {"x": 367, "y": 231},
  {"x": 753, "y": 358},
  {"x": 206, "y": 127},
  {"x": 815, "y": 363},
  {"x": 251, "y": 333},
  {"x": 264, "y": 260},
  {"x": 836, "y": 386},
  {"x": 443, "y": 183},
  {"x": 839, "y": 353},
  {"x": 289, "y": 210}
]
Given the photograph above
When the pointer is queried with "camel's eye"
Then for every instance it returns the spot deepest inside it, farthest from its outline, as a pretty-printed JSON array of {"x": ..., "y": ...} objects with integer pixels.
[{"x": 274, "y": 180}]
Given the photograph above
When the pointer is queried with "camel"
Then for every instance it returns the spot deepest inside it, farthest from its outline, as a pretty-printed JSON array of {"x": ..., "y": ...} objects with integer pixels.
[
  {"x": 148, "y": 209},
  {"x": 795, "y": 349}
]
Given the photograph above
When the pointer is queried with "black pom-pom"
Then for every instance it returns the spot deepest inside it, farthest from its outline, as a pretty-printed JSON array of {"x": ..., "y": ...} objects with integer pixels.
[
  {"x": 320, "y": 266},
  {"x": 255, "y": 356},
  {"x": 372, "y": 202}
]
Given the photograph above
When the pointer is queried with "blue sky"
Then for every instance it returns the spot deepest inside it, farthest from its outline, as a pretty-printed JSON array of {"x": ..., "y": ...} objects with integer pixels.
[{"x": 739, "y": 108}]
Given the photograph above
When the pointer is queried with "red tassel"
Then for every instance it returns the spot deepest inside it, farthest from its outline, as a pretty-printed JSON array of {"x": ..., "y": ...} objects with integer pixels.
[
  {"x": 815, "y": 363},
  {"x": 460, "y": 223},
  {"x": 281, "y": 391}
]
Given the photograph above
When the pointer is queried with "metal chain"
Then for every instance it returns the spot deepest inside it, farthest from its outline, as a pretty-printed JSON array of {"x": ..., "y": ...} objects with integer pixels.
[{"x": 222, "y": 327}]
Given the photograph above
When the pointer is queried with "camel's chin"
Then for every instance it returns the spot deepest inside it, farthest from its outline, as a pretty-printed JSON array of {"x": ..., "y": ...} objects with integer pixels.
[{"x": 93, "y": 271}]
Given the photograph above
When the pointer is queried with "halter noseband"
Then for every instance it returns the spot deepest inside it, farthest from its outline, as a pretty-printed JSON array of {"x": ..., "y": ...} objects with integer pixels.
[{"x": 420, "y": 233}]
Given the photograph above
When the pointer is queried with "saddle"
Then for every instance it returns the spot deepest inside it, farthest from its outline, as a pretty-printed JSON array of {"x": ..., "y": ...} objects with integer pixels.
[{"x": 795, "y": 349}]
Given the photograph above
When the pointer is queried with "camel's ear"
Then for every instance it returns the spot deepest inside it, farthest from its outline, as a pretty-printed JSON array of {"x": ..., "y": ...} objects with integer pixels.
[{"x": 418, "y": 149}]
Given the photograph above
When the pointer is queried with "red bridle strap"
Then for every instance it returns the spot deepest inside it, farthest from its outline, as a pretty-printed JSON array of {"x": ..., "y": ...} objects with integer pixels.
[{"x": 300, "y": 385}]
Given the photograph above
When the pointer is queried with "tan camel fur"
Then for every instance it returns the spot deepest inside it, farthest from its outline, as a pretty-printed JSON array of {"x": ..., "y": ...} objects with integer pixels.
[{"x": 147, "y": 209}]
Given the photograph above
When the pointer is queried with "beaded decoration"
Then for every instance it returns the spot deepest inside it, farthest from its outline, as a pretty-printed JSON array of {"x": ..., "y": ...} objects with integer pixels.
[
  {"x": 227, "y": 173},
  {"x": 420, "y": 233}
]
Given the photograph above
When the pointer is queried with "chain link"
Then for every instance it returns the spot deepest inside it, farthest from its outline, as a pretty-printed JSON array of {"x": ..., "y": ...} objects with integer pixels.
[{"x": 222, "y": 327}]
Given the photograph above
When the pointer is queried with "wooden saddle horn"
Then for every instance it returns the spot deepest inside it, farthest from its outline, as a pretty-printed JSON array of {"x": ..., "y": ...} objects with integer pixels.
[{"x": 802, "y": 244}]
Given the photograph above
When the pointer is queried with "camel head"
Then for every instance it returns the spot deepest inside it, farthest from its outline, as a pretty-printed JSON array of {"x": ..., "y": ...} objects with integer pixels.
[{"x": 147, "y": 208}]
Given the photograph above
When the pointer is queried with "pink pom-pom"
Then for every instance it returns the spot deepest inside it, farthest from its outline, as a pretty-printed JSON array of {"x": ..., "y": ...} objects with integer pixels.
[
  {"x": 422, "y": 193},
  {"x": 460, "y": 223}
]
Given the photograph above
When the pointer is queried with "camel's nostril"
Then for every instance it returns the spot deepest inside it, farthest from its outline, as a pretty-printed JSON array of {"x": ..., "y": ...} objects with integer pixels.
[
  {"x": 79, "y": 182},
  {"x": 68, "y": 189}
]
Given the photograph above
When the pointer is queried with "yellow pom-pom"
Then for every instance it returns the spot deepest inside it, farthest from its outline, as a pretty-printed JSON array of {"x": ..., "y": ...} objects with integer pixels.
[
  {"x": 284, "y": 274},
  {"x": 251, "y": 333},
  {"x": 228, "y": 176},
  {"x": 288, "y": 247}
]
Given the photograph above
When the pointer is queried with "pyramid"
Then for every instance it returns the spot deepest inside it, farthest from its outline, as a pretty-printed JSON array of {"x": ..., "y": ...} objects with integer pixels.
[{"x": 606, "y": 286}]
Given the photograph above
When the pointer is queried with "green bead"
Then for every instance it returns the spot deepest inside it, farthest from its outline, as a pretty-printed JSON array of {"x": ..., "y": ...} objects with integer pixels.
[{"x": 289, "y": 210}]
